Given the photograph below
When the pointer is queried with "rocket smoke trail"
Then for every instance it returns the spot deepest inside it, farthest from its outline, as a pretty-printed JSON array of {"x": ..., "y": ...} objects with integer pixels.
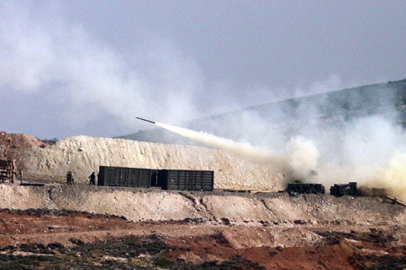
[
  {"x": 299, "y": 162},
  {"x": 245, "y": 150}
]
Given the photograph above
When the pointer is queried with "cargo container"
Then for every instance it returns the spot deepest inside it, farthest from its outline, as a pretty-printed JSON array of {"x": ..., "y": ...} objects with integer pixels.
[
  {"x": 166, "y": 179},
  {"x": 126, "y": 177},
  {"x": 186, "y": 180}
]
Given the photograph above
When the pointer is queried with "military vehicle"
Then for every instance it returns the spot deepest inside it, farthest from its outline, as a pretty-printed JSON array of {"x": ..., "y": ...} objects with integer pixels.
[
  {"x": 344, "y": 189},
  {"x": 297, "y": 187}
]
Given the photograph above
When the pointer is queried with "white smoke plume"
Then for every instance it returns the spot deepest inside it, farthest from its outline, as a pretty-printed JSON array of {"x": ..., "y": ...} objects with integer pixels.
[
  {"x": 303, "y": 158},
  {"x": 393, "y": 178},
  {"x": 369, "y": 150},
  {"x": 299, "y": 162},
  {"x": 373, "y": 154},
  {"x": 245, "y": 150}
]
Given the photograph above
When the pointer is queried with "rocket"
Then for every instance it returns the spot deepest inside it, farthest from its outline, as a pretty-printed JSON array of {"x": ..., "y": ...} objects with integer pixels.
[{"x": 146, "y": 120}]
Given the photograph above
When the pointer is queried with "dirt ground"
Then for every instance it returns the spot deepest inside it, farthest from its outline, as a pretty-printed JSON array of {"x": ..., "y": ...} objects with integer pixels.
[{"x": 42, "y": 239}]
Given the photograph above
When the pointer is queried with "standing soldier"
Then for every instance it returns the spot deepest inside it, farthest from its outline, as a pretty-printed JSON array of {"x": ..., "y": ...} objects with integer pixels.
[
  {"x": 92, "y": 178},
  {"x": 13, "y": 170},
  {"x": 69, "y": 178},
  {"x": 21, "y": 176}
]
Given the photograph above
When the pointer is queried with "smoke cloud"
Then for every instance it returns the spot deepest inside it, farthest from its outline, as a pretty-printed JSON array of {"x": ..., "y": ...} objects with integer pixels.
[
  {"x": 245, "y": 150},
  {"x": 82, "y": 81},
  {"x": 393, "y": 178},
  {"x": 303, "y": 158},
  {"x": 309, "y": 144},
  {"x": 299, "y": 163},
  {"x": 68, "y": 82}
]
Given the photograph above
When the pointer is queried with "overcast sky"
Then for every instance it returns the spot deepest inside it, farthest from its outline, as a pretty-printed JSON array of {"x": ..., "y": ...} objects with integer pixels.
[{"x": 89, "y": 67}]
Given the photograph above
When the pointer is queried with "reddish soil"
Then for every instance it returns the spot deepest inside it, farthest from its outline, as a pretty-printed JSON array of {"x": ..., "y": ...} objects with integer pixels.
[
  {"x": 336, "y": 251},
  {"x": 182, "y": 244},
  {"x": 47, "y": 226}
]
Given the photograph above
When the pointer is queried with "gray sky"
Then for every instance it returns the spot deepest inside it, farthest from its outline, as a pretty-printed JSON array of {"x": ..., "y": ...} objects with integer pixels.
[{"x": 89, "y": 67}]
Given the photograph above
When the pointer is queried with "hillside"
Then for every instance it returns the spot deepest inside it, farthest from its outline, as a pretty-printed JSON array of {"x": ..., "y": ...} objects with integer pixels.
[
  {"x": 82, "y": 155},
  {"x": 289, "y": 117}
]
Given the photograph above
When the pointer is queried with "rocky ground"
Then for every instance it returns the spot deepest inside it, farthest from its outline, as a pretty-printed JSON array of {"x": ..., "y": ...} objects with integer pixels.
[
  {"x": 84, "y": 227},
  {"x": 60, "y": 239}
]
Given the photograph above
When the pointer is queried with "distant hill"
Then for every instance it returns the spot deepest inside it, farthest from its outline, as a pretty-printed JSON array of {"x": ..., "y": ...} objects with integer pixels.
[{"x": 330, "y": 110}]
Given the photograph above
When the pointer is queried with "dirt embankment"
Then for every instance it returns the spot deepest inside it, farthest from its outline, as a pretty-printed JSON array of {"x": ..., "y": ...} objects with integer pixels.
[
  {"x": 216, "y": 207},
  {"x": 157, "y": 229},
  {"x": 17, "y": 145},
  {"x": 83, "y": 155}
]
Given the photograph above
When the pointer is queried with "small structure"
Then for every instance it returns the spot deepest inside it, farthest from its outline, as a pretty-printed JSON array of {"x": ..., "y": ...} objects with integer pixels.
[
  {"x": 296, "y": 188},
  {"x": 344, "y": 189},
  {"x": 7, "y": 170}
]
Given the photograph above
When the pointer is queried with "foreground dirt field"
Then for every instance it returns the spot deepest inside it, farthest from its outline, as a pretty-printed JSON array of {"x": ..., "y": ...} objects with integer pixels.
[
  {"x": 45, "y": 239},
  {"x": 82, "y": 227}
]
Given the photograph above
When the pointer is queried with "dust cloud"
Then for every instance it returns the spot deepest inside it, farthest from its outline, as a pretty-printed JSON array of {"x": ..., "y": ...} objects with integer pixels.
[
  {"x": 303, "y": 158},
  {"x": 392, "y": 178}
]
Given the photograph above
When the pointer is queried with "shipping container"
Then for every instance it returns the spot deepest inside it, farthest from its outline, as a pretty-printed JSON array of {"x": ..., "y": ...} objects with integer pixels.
[
  {"x": 126, "y": 177},
  {"x": 186, "y": 180},
  {"x": 166, "y": 179}
]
